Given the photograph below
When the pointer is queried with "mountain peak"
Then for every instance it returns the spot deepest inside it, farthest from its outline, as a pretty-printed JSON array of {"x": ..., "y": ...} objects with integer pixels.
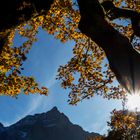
[
  {"x": 55, "y": 113},
  {"x": 54, "y": 109},
  {"x": 51, "y": 125}
]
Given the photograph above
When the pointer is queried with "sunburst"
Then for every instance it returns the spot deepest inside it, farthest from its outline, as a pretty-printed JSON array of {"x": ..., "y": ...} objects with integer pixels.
[{"x": 133, "y": 102}]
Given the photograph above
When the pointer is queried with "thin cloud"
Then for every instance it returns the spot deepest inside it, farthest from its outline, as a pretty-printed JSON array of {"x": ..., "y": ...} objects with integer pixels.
[
  {"x": 35, "y": 102},
  {"x": 52, "y": 81}
]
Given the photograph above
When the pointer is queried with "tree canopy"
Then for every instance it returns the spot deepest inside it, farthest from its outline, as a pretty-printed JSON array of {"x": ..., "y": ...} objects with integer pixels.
[
  {"x": 123, "y": 125},
  {"x": 91, "y": 24}
]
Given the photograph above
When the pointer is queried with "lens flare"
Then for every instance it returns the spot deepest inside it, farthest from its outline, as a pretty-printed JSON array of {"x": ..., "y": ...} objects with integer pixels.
[{"x": 133, "y": 102}]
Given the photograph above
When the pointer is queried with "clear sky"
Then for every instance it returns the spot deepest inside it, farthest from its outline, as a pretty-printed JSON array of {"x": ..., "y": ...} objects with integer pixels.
[{"x": 43, "y": 60}]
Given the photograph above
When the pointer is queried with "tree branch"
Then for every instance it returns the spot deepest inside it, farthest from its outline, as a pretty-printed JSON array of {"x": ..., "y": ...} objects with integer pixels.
[
  {"x": 124, "y": 61},
  {"x": 13, "y": 13},
  {"x": 17, "y": 12},
  {"x": 126, "y": 13}
]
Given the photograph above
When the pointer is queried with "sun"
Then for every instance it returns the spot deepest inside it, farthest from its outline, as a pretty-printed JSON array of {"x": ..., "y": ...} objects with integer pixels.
[{"x": 133, "y": 102}]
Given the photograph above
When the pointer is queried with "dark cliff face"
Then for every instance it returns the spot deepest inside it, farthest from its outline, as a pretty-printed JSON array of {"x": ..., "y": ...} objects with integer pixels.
[
  {"x": 2, "y": 128},
  {"x": 52, "y": 125}
]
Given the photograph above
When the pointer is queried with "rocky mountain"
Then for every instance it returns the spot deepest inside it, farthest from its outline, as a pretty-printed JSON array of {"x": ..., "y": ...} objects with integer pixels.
[{"x": 51, "y": 125}]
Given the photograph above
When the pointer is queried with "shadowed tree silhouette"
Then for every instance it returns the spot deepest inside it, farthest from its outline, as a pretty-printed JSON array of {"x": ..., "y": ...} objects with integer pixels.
[{"x": 123, "y": 59}]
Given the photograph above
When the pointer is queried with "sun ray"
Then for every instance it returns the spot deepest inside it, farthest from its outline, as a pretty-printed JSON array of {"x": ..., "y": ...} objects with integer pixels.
[{"x": 133, "y": 102}]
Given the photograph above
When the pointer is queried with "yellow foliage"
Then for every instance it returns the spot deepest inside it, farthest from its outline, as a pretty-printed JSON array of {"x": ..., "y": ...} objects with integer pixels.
[
  {"x": 121, "y": 120},
  {"x": 62, "y": 22}
]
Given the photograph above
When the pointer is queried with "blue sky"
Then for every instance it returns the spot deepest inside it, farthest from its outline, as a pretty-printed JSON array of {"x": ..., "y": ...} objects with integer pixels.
[{"x": 43, "y": 60}]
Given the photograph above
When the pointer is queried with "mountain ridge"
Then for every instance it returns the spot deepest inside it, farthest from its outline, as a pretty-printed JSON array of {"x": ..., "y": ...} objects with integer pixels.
[{"x": 50, "y": 125}]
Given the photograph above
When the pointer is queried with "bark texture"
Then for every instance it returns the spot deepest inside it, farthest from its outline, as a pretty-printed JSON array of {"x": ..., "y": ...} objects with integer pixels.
[
  {"x": 15, "y": 12},
  {"x": 124, "y": 61}
]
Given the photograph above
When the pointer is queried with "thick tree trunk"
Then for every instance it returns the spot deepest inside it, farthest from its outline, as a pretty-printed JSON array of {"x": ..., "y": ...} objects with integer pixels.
[
  {"x": 124, "y": 61},
  {"x": 15, "y": 12}
]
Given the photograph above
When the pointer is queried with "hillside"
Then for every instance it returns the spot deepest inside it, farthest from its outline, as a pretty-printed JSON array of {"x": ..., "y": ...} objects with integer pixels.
[{"x": 51, "y": 125}]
